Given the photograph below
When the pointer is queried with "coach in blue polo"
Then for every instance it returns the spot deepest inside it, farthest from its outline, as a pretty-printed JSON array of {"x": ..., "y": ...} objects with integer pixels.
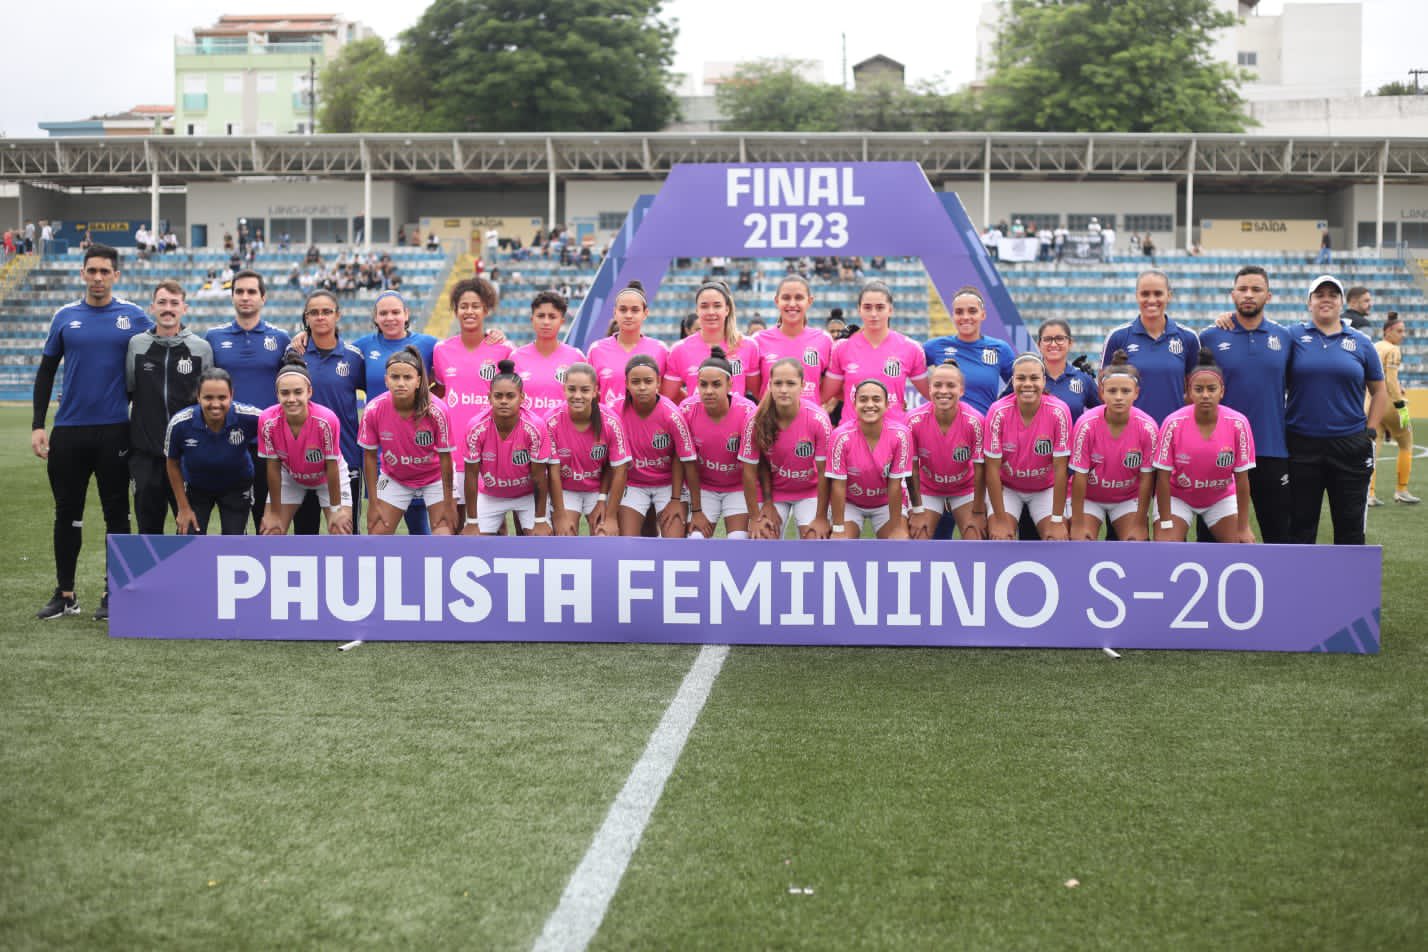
[{"x": 1160, "y": 349}]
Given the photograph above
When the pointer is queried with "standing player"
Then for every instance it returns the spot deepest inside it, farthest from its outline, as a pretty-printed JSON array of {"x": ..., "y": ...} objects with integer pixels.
[
  {"x": 1113, "y": 459},
  {"x": 207, "y": 446},
  {"x": 91, "y": 431},
  {"x": 302, "y": 443},
  {"x": 949, "y": 478},
  {"x": 660, "y": 448},
  {"x": 589, "y": 459},
  {"x": 337, "y": 371},
  {"x": 719, "y": 485},
  {"x": 1028, "y": 442},
  {"x": 251, "y": 350},
  {"x": 792, "y": 337},
  {"x": 877, "y": 352},
  {"x": 1163, "y": 351},
  {"x": 161, "y": 370},
  {"x": 869, "y": 456},
  {"x": 986, "y": 362},
  {"x": 1203, "y": 453},
  {"x": 714, "y": 308},
  {"x": 506, "y": 450},
  {"x": 542, "y": 363},
  {"x": 609, "y": 355},
  {"x": 409, "y": 431},
  {"x": 1395, "y": 421},
  {"x": 788, "y": 440}
]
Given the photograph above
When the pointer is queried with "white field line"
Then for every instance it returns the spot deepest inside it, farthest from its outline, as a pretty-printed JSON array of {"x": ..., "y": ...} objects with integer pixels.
[{"x": 582, "y": 906}]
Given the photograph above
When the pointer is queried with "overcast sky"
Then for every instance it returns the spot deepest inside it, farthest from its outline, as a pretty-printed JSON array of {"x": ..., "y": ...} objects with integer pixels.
[{"x": 70, "y": 59}]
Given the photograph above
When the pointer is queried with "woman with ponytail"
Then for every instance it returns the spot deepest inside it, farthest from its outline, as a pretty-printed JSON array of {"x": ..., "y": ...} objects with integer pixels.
[
  {"x": 714, "y": 309},
  {"x": 1113, "y": 458},
  {"x": 609, "y": 355},
  {"x": 1028, "y": 437},
  {"x": 718, "y": 485},
  {"x": 506, "y": 450},
  {"x": 869, "y": 456},
  {"x": 590, "y": 458},
  {"x": 406, "y": 435},
  {"x": 948, "y": 478},
  {"x": 302, "y": 442},
  {"x": 810, "y": 346},
  {"x": 785, "y": 446}
]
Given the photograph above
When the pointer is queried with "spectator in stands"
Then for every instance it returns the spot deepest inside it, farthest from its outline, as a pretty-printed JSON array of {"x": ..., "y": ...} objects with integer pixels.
[
  {"x": 1059, "y": 237},
  {"x": 1162, "y": 351},
  {"x": 295, "y": 277},
  {"x": 1108, "y": 243},
  {"x": 401, "y": 236},
  {"x": 1147, "y": 248},
  {"x": 1047, "y": 238},
  {"x": 433, "y": 243},
  {"x": 990, "y": 238},
  {"x": 1093, "y": 227},
  {"x": 314, "y": 255},
  {"x": 1395, "y": 421},
  {"x": 10, "y": 241},
  {"x": 1325, "y": 247},
  {"x": 1360, "y": 303},
  {"x": 29, "y": 237},
  {"x": 285, "y": 241},
  {"x": 878, "y": 263}
]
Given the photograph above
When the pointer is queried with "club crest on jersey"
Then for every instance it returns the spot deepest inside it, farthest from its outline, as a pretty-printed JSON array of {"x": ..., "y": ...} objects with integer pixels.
[
  {"x": 1226, "y": 458},
  {"x": 1274, "y": 343},
  {"x": 962, "y": 454},
  {"x": 1042, "y": 447},
  {"x": 521, "y": 458},
  {"x": 313, "y": 456},
  {"x": 1077, "y": 386},
  {"x": 269, "y": 343},
  {"x": 660, "y": 441},
  {"x": 1132, "y": 460},
  {"x": 893, "y": 368},
  {"x": 122, "y": 322},
  {"x": 732, "y": 444},
  {"x": 887, "y": 470},
  {"x": 342, "y": 368},
  {"x": 424, "y": 438},
  {"x": 560, "y": 373},
  {"x": 1348, "y": 344},
  {"x": 810, "y": 357},
  {"x": 804, "y": 449},
  {"x": 597, "y": 452},
  {"x": 989, "y": 356},
  {"x": 236, "y": 437},
  {"x": 736, "y": 365},
  {"x": 184, "y": 366},
  {"x": 1177, "y": 346},
  {"x": 488, "y": 371}
]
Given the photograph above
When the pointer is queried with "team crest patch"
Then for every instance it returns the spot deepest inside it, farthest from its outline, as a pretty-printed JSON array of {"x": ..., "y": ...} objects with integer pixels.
[
  {"x": 1176, "y": 346},
  {"x": 1132, "y": 460},
  {"x": 597, "y": 452},
  {"x": 989, "y": 356},
  {"x": 962, "y": 454},
  {"x": 893, "y": 368},
  {"x": 1348, "y": 344},
  {"x": 732, "y": 444},
  {"x": 270, "y": 343},
  {"x": 810, "y": 357},
  {"x": 424, "y": 438},
  {"x": 342, "y": 368},
  {"x": 660, "y": 441},
  {"x": 122, "y": 322},
  {"x": 804, "y": 449},
  {"x": 1274, "y": 343},
  {"x": 184, "y": 366},
  {"x": 521, "y": 458},
  {"x": 736, "y": 365},
  {"x": 1077, "y": 386},
  {"x": 236, "y": 437},
  {"x": 1226, "y": 458},
  {"x": 887, "y": 470},
  {"x": 313, "y": 456},
  {"x": 488, "y": 371},
  {"x": 560, "y": 373},
  {"x": 1042, "y": 447}
]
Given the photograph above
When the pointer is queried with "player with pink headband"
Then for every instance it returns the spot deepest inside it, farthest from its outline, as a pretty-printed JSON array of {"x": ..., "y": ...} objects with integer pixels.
[
  {"x": 786, "y": 445},
  {"x": 1028, "y": 443},
  {"x": 1113, "y": 458},
  {"x": 949, "y": 477},
  {"x": 543, "y": 362},
  {"x": 590, "y": 458},
  {"x": 792, "y": 337},
  {"x": 609, "y": 355},
  {"x": 462, "y": 367},
  {"x": 302, "y": 443},
  {"x": 1204, "y": 454},
  {"x": 408, "y": 431},
  {"x": 877, "y": 352},
  {"x": 660, "y": 450},
  {"x": 869, "y": 456},
  {"x": 714, "y": 307},
  {"x": 718, "y": 485},
  {"x": 506, "y": 452}
]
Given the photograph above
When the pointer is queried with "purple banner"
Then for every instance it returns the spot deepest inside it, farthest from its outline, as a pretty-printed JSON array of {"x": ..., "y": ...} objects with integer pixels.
[{"x": 1011, "y": 594}]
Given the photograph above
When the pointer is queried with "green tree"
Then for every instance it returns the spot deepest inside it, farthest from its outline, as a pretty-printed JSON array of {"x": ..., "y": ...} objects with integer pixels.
[
  {"x": 771, "y": 95},
  {"x": 1395, "y": 88},
  {"x": 1113, "y": 66},
  {"x": 363, "y": 64}
]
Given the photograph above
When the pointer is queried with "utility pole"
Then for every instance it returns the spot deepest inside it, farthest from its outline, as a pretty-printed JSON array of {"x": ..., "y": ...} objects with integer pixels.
[
  {"x": 312, "y": 95},
  {"x": 844, "y": 77},
  {"x": 1415, "y": 73}
]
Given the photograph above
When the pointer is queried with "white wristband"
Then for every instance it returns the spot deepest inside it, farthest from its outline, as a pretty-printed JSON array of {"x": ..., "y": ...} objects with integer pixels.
[
  {"x": 334, "y": 510},
  {"x": 840, "y": 528},
  {"x": 1057, "y": 517},
  {"x": 473, "y": 522},
  {"x": 602, "y": 497},
  {"x": 916, "y": 510},
  {"x": 1167, "y": 523}
]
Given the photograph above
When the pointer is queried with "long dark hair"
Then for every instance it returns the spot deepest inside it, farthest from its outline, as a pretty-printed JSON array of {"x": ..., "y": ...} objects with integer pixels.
[
  {"x": 639, "y": 360},
  {"x": 589, "y": 371},
  {"x": 410, "y": 356},
  {"x": 766, "y": 429}
]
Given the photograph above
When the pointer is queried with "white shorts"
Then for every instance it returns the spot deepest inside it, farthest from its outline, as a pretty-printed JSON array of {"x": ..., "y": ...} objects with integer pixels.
[
  {"x": 718, "y": 505},
  {"x": 641, "y": 498},
  {"x": 852, "y": 512},
  {"x": 491, "y": 512},
  {"x": 1014, "y": 501},
  {"x": 295, "y": 492},
  {"x": 400, "y": 495},
  {"x": 578, "y": 502},
  {"x": 803, "y": 511},
  {"x": 1109, "y": 511},
  {"x": 1213, "y": 513},
  {"x": 946, "y": 504}
]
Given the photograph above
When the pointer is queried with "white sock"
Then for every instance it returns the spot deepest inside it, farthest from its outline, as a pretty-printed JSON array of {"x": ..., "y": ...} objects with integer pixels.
[
  {"x": 696, "y": 534},
  {"x": 738, "y": 534}
]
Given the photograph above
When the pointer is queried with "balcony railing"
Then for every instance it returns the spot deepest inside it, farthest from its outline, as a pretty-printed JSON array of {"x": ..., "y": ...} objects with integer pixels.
[{"x": 240, "y": 47}]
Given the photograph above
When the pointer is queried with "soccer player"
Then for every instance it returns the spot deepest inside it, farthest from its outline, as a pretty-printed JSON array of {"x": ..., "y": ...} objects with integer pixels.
[
  {"x": 869, "y": 456},
  {"x": 338, "y": 372},
  {"x": 302, "y": 443},
  {"x": 949, "y": 478},
  {"x": 609, "y": 355},
  {"x": 1065, "y": 381},
  {"x": 161, "y": 371},
  {"x": 590, "y": 458},
  {"x": 714, "y": 307},
  {"x": 1163, "y": 351},
  {"x": 208, "y": 449},
  {"x": 719, "y": 485},
  {"x": 877, "y": 352},
  {"x": 660, "y": 448},
  {"x": 1331, "y": 445},
  {"x": 91, "y": 431},
  {"x": 1028, "y": 443},
  {"x": 463, "y": 366},
  {"x": 251, "y": 350},
  {"x": 986, "y": 362},
  {"x": 787, "y": 440},
  {"x": 408, "y": 430},
  {"x": 1113, "y": 459},
  {"x": 1395, "y": 421},
  {"x": 506, "y": 450},
  {"x": 792, "y": 337},
  {"x": 542, "y": 363},
  {"x": 1202, "y": 455}
]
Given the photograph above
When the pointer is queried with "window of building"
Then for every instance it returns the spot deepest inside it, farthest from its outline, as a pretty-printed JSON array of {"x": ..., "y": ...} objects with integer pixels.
[
  {"x": 294, "y": 228},
  {"x": 232, "y": 128},
  {"x": 1077, "y": 221},
  {"x": 267, "y": 82},
  {"x": 232, "y": 82},
  {"x": 1248, "y": 58},
  {"x": 329, "y": 231},
  {"x": 1042, "y": 219},
  {"x": 195, "y": 128},
  {"x": 1368, "y": 232},
  {"x": 1139, "y": 223},
  {"x": 267, "y": 127},
  {"x": 1415, "y": 233},
  {"x": 611, "y": 221},
  {"x": 195, "y": 83}
]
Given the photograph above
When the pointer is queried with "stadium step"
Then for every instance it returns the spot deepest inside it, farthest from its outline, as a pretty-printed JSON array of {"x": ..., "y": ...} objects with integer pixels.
[
  {"x": 939, "y": 319},
  {"x": 13, "y": 275},
  {"x": 441, "y": 320}
]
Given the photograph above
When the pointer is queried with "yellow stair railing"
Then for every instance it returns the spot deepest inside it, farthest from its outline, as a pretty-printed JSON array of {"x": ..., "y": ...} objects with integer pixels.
[
  {"x": 15, "y": 272},
  {"x": 939, "y": 319},
  {"x": 440, "y": 324}
]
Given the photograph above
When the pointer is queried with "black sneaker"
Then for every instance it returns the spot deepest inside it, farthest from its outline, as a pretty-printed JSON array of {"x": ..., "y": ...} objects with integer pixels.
[
  {"x": 102, "y": 612},
  {"x": 59, "y": 606}
]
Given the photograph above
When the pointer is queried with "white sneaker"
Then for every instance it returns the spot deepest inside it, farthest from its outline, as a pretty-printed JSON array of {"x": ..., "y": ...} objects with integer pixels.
[
  {"x": 1406, "y": 497},
  {"x": 1374, "y": 501}
]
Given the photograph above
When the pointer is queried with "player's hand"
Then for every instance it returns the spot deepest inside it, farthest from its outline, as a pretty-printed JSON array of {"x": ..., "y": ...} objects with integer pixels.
[
  {"x": 700, "y": 523},
  {"x": 820, "y": 527},
  {"x": 1226, "y": 321},
  {"x": 40, "y": 443},
  {"x": 974, "y": 531},
  {"x": 186, "y": 522},
  {"x": 542, "y": 528},
  {"x": 494, "y": 336},
  {"x": 1245, "y": 536},
  {"x": 597, "y": 515},
  {"x": 671, "y": 516},
  {"x": 604, "y": 526},
  {"x": 271, "y": 525},
  {"x": 471, "y": 529},
  {"x": 1056, "y": 532},
  {"x": 340, "y": 524},
  {"x": 298, "y": 342}
]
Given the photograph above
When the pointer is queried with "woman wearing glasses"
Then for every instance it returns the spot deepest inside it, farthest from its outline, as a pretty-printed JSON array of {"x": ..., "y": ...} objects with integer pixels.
[{"x": 1066, "y": 382}]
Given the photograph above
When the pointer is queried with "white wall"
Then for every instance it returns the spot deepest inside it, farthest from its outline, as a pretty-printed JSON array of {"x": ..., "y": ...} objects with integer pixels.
[
  {"x": 219, "y": 205},
  {"x": 1117, "y": 198},
  {"x": 586, "y": 199},
  {"x": 1398, "y": 117}
]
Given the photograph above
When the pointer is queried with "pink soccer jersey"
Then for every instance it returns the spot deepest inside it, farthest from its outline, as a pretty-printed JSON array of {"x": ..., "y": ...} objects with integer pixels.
[
  {"x": 609, "y": 360},
  {"x": 894, "y": 362},
  {"x": 543, "y": 378},
  {"x": 1026, "y": 451},
  {"x": 466, "y": 374},
  {"x": 1113, "y": 464},
  {"x": 686, "y": 356},
  {"x": 716, "y": 442},
  {"x": 868, "y": 470},
  {"x": 583, "y": 457},
  {"x": 655, "y": 441},
  {"x": 946, "y": 460},
  {"x": 793, "y": 459},
  {"x": 410, "y": 450},
  {"x": 505, "y": 463},
  {"x": 812, "y": 348},
  {"x": 305, "y": 455},
  {"x": 1202, "y": 472}
]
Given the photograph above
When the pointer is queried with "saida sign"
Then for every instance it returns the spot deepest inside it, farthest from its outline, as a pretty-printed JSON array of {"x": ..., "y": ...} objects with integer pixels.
[{"x": 1261, "y": 234}]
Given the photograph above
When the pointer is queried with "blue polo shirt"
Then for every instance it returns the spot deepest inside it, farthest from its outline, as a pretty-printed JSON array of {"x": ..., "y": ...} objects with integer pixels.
[
  {"x": 1255, "y": 364},
  {"x": 252, "y": 358},
  {"x": 1075, "y": 388},
  {"x": 986, "y": 364},
  {"x": 211, "y": 461},
  {"x": 376, "y": 349},
  {"x": 1163, "y": 362},
  {"x": 1327, "y": 377},
  {"x": 337, "y": 375},
  {"x": 92, "y": 342}
]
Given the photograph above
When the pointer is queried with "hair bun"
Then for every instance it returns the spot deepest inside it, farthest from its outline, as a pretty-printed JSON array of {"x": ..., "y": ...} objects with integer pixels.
[
  {"x": 836, "y": 312},
  {"x": 1120, "y": 357},
  {"x": 506, "y": 366},
  {"x": 1206, "y": 359},
  {"x": 718, "y": 352},
  {"x": 293, "y": 359},
  {"x": 636, "y": 285}
]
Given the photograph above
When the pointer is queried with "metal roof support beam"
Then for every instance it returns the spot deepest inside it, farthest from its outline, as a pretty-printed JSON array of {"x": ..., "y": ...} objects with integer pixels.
[
  {"x": 1190, "y": 196},
  {"x": 1382, "y": 171}
]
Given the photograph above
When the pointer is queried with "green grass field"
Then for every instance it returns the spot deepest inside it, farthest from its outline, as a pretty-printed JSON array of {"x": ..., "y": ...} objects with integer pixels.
[{"x": 187, "y": 795}]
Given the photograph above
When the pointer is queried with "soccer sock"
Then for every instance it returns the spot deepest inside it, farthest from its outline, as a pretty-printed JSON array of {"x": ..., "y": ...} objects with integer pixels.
[
  {"x": 1405, "y": 467},
  {"x": 696, "y": 534},
  {"x": 738, "y": 534}
]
